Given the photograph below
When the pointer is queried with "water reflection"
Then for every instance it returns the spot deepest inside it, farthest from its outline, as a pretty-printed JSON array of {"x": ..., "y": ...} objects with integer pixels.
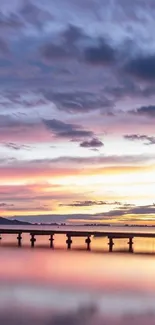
[{"x": 75, "y": 288}]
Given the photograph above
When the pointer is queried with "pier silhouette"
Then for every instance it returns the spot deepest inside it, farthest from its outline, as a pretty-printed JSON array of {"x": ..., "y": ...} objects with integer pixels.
[{"x": 70, "y": 235}]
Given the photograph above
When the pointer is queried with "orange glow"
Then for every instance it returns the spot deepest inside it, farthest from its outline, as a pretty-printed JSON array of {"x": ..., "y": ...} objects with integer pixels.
[{"x": 53, "y": 190}]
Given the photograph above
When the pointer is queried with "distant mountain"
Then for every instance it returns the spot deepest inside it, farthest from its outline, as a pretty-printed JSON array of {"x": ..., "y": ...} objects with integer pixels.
[{"x": 5, "y": 221}]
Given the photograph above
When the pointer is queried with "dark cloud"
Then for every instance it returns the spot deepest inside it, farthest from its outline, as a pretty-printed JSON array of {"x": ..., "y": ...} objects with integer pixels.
[
  {"x": 10, "y": 21},
  {"x": 55, "y": 52},
  {"x": 16, "y": 99},
  {"x": 74, "y": 43},
  {"x": 73, "y": 34},
  {"x": 148, "y": 111},
  {"x": 14, "y": 125},
  {"x": 66, "y": 130},
  {"x": 135, "y": 210},
  {"x": 102, "y": 53},
  {"x": 69, "y": 44},
  {"x": 33, "y": 14},
  {"x": 4, "y": 47},
  {"x": 89, "y": 203},
  {"x": 93, "y": 143},
  {"x": 142, "y": 67},
  {"x": 84, "y": 203},
  {"x": 17, "y": 124},
  {"x": 80, "y": 59},
  {"x": 16, "y": 146},
  {"x": 79, "y": 101},
  {"x": 137, "y": 137},
  {"x": 105, "y": 216},
  {"x": 147, "y": 209},
  {"x": 66, "y": 46},
  {"x": 125, "y": 88}
]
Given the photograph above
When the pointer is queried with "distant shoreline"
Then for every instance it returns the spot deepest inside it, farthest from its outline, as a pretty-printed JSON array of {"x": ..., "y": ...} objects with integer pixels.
[{"x": 15, "y": 222}]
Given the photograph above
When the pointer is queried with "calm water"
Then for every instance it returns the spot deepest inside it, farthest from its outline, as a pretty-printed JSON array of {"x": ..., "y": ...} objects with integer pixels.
[
  {"x": 60, "y": 287},
  {"x": 141, "y": 245},
  {"x": 40, "y": 287}
]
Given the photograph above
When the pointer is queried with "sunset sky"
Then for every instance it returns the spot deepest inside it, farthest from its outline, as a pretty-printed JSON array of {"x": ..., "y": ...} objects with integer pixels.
[{"x": 77, "y": 110}]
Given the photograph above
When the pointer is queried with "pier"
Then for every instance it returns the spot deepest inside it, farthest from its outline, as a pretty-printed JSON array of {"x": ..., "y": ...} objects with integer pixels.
[{"x": 70, "y": 235}]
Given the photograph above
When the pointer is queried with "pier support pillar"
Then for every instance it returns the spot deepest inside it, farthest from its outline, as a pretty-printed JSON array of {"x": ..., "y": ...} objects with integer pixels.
[
  {"x": 111, "y": 244},
  {"x": 130, "y": 245},
  {"x": 51, "y": 240},
  {"x": 88, "y": 241},
  {"x": 32, "y": 240},
  {"x": 19, "y": 238},
  {"x": 69, "y": 241}
]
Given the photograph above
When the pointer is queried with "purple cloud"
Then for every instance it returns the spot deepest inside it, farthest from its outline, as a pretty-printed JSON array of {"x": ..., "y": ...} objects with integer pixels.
[
  {"x": 137, "y": 137},
  {"x": 148, "y": 111},
  {"x": 93, "y": 143},
  {"x": 103, "y": 53},
  {"x": 66, "y": 130}
]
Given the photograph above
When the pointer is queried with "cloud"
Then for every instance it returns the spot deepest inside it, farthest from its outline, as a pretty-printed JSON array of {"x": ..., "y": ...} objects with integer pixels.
[
  {"x": 142, "y": 67},
  {"x": 105, "y": 160},
  {"x": 17, "y": 208},
  {"x": 148, "y": 111},
  {"x": 78, "y": 101},
  {"x": 14, "y": 100},
  {"x": 22, "y": 128},
  {"x": 55, "y": 52},
  {"x": 16, "y": 146},
  {"x": 66, "y": 130},
  {"x": 60, "y": 72},
  {"x": 6, "y": 205},
  {"x": 84, "y": 203},
  {"x": 137, "y": 210},
  {"x": 102, "y": 53},
  {"x": 39, "y": 170},
  {"x": 10, "y": 21},
  {"x": 68, "y": 44},
  {"x": 14, "y": 121},
  {"x": 17, "y": 196},
  {"x": 125, "y": 215},
  {"x": 4, "y": 47},
  {"x": 126, "y": 88},
  {"x": 75, "y": 43},
  {"x": 89, "y": 203},
  {"x": 93, "y": 143},
  {"x": 34, "y": 15},
  {"x": 115, "y": 213},
  {"x": 72, "y": 34},
  {"x": 137, "y": 137},
  {"x": 11, "y": 126}
]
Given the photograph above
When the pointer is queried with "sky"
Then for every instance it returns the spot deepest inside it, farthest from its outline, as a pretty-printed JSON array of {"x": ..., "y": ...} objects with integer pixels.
[{"x": 77, "y": 110}]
